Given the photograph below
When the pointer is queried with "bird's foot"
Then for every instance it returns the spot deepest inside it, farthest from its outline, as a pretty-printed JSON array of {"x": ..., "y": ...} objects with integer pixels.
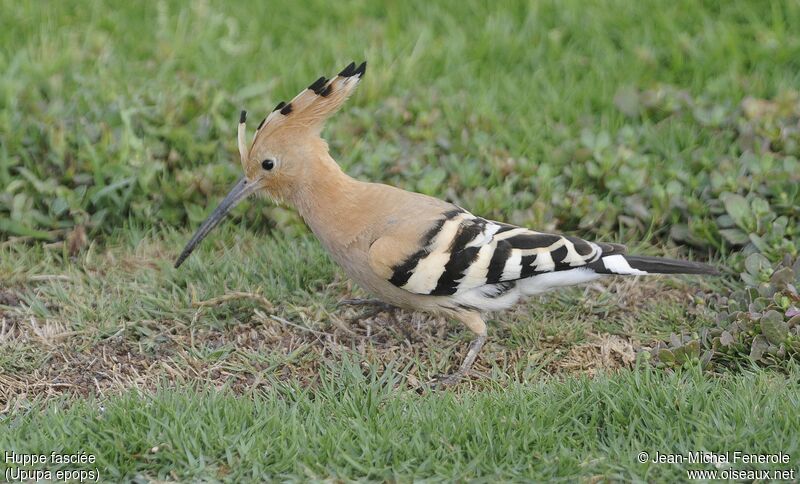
[
  {"x": 444, "y": 381},
  {"x": 378, "y": 307}
]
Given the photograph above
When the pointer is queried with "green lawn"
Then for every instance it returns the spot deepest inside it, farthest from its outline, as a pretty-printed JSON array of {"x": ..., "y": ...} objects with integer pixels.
[
  {"x": 356, "y": 426},
  {"x": 668, "y": 126}
]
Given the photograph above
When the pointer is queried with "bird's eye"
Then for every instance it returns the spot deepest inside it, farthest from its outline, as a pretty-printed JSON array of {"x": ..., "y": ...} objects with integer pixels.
[{"x": 268, "y": 164}]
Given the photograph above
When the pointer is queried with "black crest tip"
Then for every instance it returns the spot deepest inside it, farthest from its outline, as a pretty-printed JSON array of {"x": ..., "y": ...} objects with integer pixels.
[
  {"x": 279, "y": 106},
  {"x": 349, "y": 70},
  {"x": 360, "y": 70},
  {"x": 286, "y": 109},
  {"x": 327, "y": 91},
  {"x": 316, "y": 86},
  {"x": 242, "y": 116}
]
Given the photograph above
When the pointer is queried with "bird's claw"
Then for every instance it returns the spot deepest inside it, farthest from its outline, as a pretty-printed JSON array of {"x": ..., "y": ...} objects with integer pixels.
[
  {"x": 444, "y": 381},
  {"x": 441, "y": 382},
  {"x": 378, "y": 307}
]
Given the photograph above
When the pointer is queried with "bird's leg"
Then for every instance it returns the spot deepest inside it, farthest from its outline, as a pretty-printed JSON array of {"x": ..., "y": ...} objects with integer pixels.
[
  {"x": 453, "y": 378},
  {"x": 475, "y": 323},
  {"x": 378, "y": 307}
]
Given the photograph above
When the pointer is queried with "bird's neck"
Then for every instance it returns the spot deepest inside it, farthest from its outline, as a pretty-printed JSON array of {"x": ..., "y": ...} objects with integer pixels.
[{"x": 327, "y": 199}]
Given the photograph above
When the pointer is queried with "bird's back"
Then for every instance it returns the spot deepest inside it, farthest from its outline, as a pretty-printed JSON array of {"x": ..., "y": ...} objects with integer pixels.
[{"x": 486, "y": 265}]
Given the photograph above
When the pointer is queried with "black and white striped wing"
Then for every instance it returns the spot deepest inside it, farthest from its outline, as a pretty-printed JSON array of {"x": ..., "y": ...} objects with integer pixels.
[{"x": 462, "y": 252}]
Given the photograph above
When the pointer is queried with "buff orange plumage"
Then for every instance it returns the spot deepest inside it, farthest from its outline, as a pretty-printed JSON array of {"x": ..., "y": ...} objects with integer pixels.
[{"x": 411, "y": 250}]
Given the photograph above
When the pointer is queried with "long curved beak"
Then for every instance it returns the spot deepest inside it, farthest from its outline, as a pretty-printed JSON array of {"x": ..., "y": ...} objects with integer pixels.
[{"x": 239, "y": 192}]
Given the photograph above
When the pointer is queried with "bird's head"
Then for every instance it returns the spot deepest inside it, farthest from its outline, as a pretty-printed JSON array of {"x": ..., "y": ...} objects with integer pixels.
[{"x": 286, "y": 148}]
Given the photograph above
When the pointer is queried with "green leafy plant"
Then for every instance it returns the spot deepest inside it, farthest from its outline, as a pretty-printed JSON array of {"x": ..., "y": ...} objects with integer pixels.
[
  {"x": 682, "y": 350},
  {"x": 753, "y": 224},
  {"x": 759, "y": 323}
]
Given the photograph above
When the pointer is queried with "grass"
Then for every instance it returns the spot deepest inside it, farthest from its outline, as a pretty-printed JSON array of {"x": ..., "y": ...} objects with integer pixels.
[
  {"x": 671, "y": 127},
  {"x": 128, "y": 300},
  {"x": 357, "y": 427},
  {"x": 582, "y": 118}
]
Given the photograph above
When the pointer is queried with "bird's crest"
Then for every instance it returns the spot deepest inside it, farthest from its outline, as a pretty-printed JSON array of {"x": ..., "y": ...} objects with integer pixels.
[{"x": 307, "y": 112}]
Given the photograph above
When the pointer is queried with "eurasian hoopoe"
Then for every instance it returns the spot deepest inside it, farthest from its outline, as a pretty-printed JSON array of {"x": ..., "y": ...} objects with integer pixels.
[{"x": 411, "y": 250}]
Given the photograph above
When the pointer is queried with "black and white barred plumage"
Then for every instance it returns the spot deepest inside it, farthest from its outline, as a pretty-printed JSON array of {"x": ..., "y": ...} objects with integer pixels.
[
  {"x": 488, "y": 265},
  {"x": 411, "y": 250}
]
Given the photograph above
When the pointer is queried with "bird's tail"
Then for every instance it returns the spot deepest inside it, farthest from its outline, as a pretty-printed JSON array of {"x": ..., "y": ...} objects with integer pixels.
[{"x": 641, "y": 265}]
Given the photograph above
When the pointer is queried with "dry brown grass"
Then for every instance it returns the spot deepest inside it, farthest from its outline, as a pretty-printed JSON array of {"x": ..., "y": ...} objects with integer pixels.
[{"x": 267, "y": 345}]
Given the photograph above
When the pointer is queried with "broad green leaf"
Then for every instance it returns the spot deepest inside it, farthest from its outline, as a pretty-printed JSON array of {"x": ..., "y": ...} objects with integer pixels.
[
  {"x": 17, "y": 228},
  {"x": 739, "y": 210},
  {"x": 756, "y": 263},
  {"x": 735, "y": 236},
  {"x": 726, "y": 338},
  {"x": 773, "y": 327},
  {"x": 758, "y": 347}
]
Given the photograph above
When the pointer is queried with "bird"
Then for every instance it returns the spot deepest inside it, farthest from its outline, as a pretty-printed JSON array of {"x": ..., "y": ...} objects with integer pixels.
[{"x": 410, "y": 250}]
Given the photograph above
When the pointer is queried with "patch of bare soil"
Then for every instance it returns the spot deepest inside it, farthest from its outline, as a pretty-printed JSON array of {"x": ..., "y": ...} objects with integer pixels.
[
  {"x": 603, "y": 352},
  {"x": 8, "y": 298}
]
